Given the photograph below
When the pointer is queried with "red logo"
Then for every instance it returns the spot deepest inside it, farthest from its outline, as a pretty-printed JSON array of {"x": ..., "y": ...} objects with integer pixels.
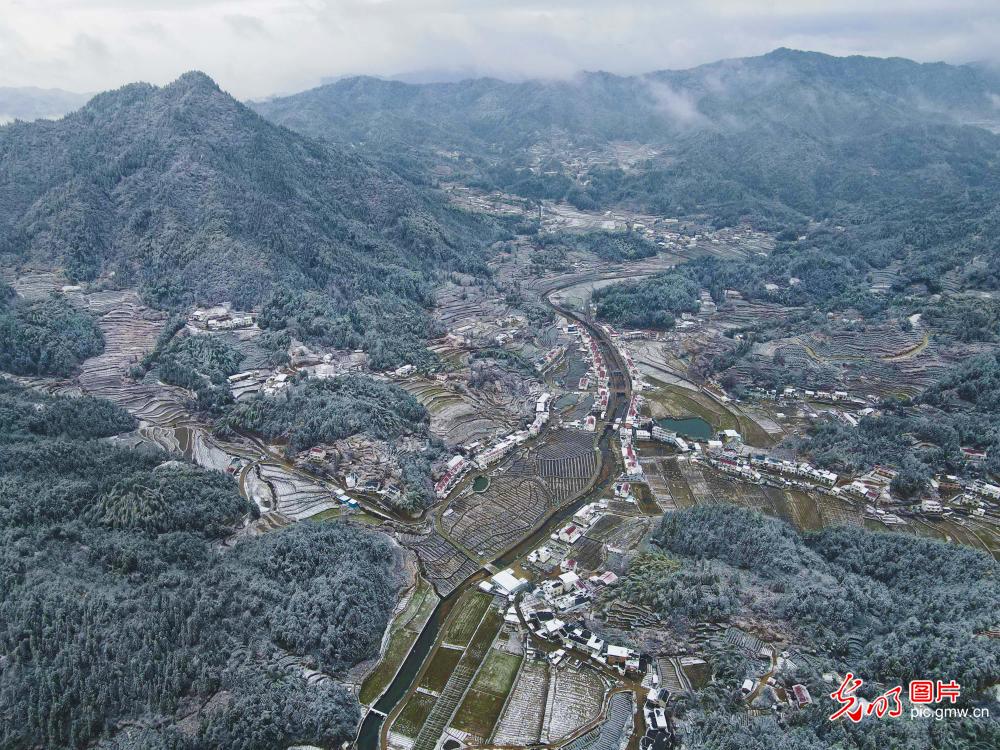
[{"x": 889, "y": 704}]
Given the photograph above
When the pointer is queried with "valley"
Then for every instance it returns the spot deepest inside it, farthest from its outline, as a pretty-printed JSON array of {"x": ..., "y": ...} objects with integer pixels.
[
  {"x": 623, "y": 430},
  {"x": 490, "y": 414}
]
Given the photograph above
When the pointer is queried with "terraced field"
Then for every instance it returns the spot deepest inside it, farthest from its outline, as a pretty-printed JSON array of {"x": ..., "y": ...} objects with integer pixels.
[
  {"x": 296, "y": 496},
  {"x": 691, "y": 484},
  {"x": 873, "y": 342},
  {"x": 130, "y": 331},
  {"x": 524, "y": 490},
  {"x": 485, "y": 699},
  {"x": 573, "y": 699},
  {"x": 457, "y": 682},
  {"x": 445, "y": 565},
  {"x": 469, "y": 610},
  {"x": 440, "y": 667},
  {"x": 464, "y": 416},
  {"x": 524, "y": 716},
  {"x": 610, "y": 734}
]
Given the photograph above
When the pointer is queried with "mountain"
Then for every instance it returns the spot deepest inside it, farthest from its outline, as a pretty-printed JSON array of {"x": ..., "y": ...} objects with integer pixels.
[
  {"x": 789, "y": 134},
  {"x": 31, "y": 103},
  {"x": 784, "y": 86},
  {"x": 189, "y": 195}
]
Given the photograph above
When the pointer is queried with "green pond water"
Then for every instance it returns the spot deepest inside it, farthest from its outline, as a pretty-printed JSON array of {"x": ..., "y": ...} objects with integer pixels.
[
  {"x": 480, "y": 483},
  {"x": 693, "y": 427}
]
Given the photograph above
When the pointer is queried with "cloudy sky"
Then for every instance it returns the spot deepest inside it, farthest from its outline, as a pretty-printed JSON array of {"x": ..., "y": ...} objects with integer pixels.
[{"x": 255, "y": 48}]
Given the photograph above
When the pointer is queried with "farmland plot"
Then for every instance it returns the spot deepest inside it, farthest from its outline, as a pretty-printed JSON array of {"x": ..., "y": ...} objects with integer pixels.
[
  {"x": 297, "y": 496},
  {"x": 525, "y": 489},
  {"x": 524, "y": 716},
  {"x": 573, "y": 700}
]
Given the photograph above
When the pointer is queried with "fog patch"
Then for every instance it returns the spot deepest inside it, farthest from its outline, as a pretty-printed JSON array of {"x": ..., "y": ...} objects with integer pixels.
[{"x": 677, "y": 105}]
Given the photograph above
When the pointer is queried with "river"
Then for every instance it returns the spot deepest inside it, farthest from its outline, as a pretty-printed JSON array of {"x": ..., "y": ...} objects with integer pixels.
[{"x": 371, "y": 734}]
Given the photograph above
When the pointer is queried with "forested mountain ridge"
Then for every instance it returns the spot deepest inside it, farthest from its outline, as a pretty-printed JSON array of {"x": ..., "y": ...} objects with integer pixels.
[
  {"x": 44, "y": 336},
  {"x": 189, "y": 195},
  {"x": 888, "y": 608},
  {"x": 779, "y": 137},
  {"x": 785, "y": 87}
]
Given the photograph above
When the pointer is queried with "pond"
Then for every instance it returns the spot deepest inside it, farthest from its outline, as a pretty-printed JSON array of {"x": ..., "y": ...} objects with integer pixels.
[
  {"x": 692, "y": 427},
  {"x": 480, "y": 483}
]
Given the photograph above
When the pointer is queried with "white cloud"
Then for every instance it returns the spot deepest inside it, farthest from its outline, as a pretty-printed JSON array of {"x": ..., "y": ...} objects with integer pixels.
[
  {"x": 678, "y": 106},
  {"x": 258, "y": 47}
]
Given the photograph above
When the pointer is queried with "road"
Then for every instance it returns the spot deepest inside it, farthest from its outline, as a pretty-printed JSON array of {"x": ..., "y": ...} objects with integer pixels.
[{"x": 620, "y": 393}]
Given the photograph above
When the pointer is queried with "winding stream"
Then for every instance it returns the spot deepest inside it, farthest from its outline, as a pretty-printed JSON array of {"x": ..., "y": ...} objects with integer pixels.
[{"x": 371, "y": 734}]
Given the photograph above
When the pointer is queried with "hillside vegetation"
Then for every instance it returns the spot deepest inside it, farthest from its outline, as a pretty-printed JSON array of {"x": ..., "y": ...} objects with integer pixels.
[
  {"x": 118, "y": 607},
  {"x": 189, "y": 196},
  {"x": 887, "y": 607},
  {"x": 46, "y": 336},
  {"x": 322, "y": 411},
  {"x": 923, "y": 436},
  {"x": 782, "y": 134}
]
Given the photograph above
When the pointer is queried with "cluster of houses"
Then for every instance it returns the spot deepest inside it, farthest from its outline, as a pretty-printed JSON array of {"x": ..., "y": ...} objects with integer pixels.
[
  {"x": 617, "y": 340},
  {"x": 630, "y": 456},
  {"x": 659, "y": 732},
  {"x": 666, "y": 436},
  {"x": 346, "y": 501},
  {"x": 801, "y": 470},
  {"x": 774, "y": 688},
  {"x": 544, "y": 612},
  {"x": 491, "y": 454},
  {"x": 551, "y": 357},
  {"x": 969, "y": 504},
  {"x": 974, "y": 498},
  {"x": 274, "y": 383},
  {"x": 797, "y": 696},
  {"x": 632, "y": 418},
  {"x": 753, "y": 468},
  {"x": 483, "y": 332},
  {"x": 541, "y": 413},
  {"x": 789, "y": 393},
  {"x": 458, "y": 466},
  {"x": 623, "y": 491},
  {"x": 571, "y": 532},
  {"x": 599, "y": 370},
  {"x": 483, "y": 457},
  {"x": 221, "y": 318},
  {"x": 872, "y": 487},
  {"x": 735, "y": 467},
  {"x": 985, "y": 489},
  {"x": 505, "y": 583},
  {"x": 257, "y": 381}
]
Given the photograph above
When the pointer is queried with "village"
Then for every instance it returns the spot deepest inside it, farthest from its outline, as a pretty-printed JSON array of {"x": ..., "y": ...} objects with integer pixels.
[{"x": 549, "y": 479}]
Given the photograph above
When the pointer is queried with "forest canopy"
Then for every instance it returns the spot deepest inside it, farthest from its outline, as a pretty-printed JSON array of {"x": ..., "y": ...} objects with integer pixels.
[
  {"x": 393, "y": 330},
  {"x": 867, "y": 600},
  {"x": 201, "y": 364},
  {"x": 117, "y": 605},
  {"x": 321, "y": 411},
  {"x": 887, "y": 607},
  {"x": 961, "y": 409},
  {"x": 650, "y": 303},
  {"x": 46, "y": 336}
]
